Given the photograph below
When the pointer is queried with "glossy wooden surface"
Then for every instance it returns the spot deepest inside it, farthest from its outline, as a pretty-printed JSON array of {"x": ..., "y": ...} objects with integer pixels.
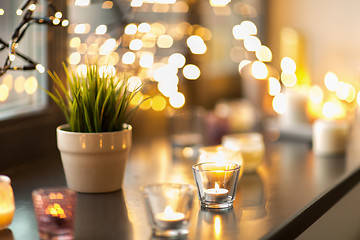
[{"x": 279, "y": 201}]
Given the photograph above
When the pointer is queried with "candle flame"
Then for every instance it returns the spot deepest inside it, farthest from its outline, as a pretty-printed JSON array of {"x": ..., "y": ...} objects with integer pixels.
[
  {"x": 216, "y": 186},
  {"x": 168, "y": 210}
]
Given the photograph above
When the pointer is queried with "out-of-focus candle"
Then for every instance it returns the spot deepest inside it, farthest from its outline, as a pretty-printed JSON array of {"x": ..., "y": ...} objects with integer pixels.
[
  {"x": 169, "y": 219},
  {"x": 294, "y": 109},
  {"x": 216, "y": 194},
  {"x": 251, "y": 146},
  {"x": 330, "y": 137},
  {"x": 7, "y": 203}
]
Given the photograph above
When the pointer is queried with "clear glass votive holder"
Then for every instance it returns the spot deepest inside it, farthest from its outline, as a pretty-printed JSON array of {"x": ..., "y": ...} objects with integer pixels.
[
  {"x": 7, "y": 202},
  {"x": 168, "y": 208},
  {"x": 55, "y": 212},
  {"x": 216, "y": 183},
  {"x": 251, "y": 145}
]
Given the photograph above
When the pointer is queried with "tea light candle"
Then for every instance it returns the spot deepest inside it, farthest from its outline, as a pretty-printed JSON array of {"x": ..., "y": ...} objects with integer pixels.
[
  {"x": 330, "y": 137},
  {"x": 216, "y": 194},
  {"x": 169, "y": 219}
]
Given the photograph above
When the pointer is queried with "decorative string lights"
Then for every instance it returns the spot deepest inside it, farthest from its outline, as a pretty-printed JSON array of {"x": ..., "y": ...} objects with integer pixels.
[{"x": 26, "y": 10}]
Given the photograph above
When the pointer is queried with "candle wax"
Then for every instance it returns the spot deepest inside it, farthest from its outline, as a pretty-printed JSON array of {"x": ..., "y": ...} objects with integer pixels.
[
  {"x": 169, "y": 219},
  {"x": 216, "y": 194}
]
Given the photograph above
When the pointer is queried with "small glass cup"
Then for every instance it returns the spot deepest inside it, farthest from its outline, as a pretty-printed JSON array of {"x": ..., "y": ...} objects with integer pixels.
[
  {"x": 168, "y": 207},
  {"x": 251, "y": 146},
  {"x": 7, "y": 202},
  {"x": 55, "y": 212},
  {"x": 216, "y": 183}
]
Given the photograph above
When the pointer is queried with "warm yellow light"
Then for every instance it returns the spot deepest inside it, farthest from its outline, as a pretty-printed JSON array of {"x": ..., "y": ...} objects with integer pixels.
[
  {"x": 331, "y": 81},
  {"x": 111, "y": 59},
  {"x": 352, "y": 94},
  {"x": 180, "y": 7},
  {"x": 134, "y": 83},
  {"x": 138, "y": 97},
  {"x": 136, "y": 3},
  {"x": 12, "y": 57},
  {"x": 217, "y": 227},
  {"x": 40, "y": 68},
  {"x": 146, "y": 104},
  {"x": 4, "y": 92},
  {"x": 82, "y": 28},
  {"x": 93, "y": 49},
  {"x": 8, "y": 81},
  {"x": 168, "y": 88},
  {"x": 144, "y": 27},
  {"x": 58, "y": 14},
  {"x": 278, "y": 103},
  {"x": 191, "y": 72},
  {"x": 135, "y": 44},
  {"x": 333, "y": 110},
  {"x": 82, "y": 3},
  {"x": 242, "y": 64},
  {"x": 108, "y": 46},
  {"x": 165, "y": 41},
  {"x": 165, "y": 73},
  {"x": 146, "y": 60},
  {"x": 19, "y": 12},
  {"x": 177, "y": 60},
  {"x": 148, "y": 40},
  {"x": 358, "y": 98},
  {"x": 252, "y": 43},
  {"x": 128, "y": 58},
  {"x": 81, "y": 70},
  {"x": 19, "y": 84},
  {"x": 196, "y": 44},
  {"x": 107, "y": 5},
  {"x": 177, "y": 100},
  {"x": 316, "y": 95},
  {"x": 288, "y": 65},
  {"x": 131, "y": 29},
  {"x": 249, "y": 27},
  {"x": 274, "y": 86},
  {"x": 107, "y": 71},
  {"x": 264, "y": 54},
  {"x": 259, "y": 70},
  {"x": 75, "y": 42},
  {"x": 219, "y": 3},
  {"x": 158, "y": 103},
  {"x": 82, "y": 49},
  {"x": 31, "y": 85},
  {"x": 74, "y": 58},
  {"x": 342, "y": 91},
  {"x": 65, "y": 23},
  {"x": 288, "y": 79},
  {"x": 101, "y": 29},
  {"x": 32, "y": 7},
  {"x": 56, "y": 21},
  {"x": 158, "y": 29},
  {"x": 2, "y": 11}
]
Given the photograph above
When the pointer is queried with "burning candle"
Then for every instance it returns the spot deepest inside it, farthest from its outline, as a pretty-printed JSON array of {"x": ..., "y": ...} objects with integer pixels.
[
  {"x": 169, "y": 219},
  {"x": 216, "y": 194},
  {"x": 7, "y": 204}
]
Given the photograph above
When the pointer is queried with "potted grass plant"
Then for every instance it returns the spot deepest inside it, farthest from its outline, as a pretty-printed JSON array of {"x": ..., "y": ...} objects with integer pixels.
[{"x": 95, "y": 143}]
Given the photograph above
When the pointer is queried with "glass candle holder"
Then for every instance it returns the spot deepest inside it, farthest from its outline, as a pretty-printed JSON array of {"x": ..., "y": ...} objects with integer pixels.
[
  {"x": 54, "y": 211},
  {"x": 168, "y": 208},
  {"x": 251, "y": 146},
  {"x": 7, "y": 203},
  {"x": 216, "y": 183},
  {"x": 219, "y": 153}
]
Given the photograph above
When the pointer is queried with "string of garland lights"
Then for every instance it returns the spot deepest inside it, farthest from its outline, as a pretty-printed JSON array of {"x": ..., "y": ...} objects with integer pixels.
[{"x": 27, "y": 11}]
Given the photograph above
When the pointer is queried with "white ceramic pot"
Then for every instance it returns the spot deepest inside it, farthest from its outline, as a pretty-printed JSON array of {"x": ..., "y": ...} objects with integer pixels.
[{"x": 94, "y": 162}]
